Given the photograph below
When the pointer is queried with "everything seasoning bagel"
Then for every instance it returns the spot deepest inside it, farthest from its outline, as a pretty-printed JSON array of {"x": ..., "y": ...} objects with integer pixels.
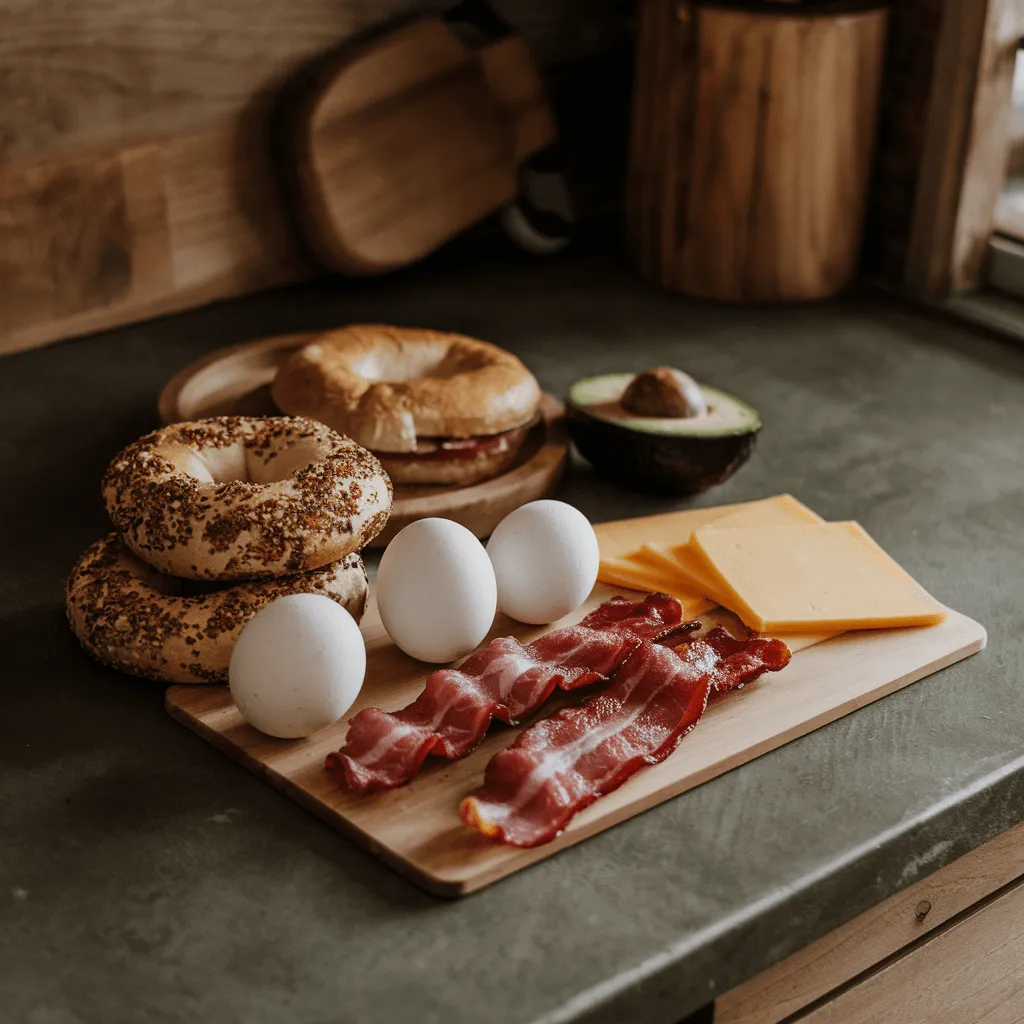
[
  {"x": 240, "y": 498},
  {"x": 139, "y": 621}
]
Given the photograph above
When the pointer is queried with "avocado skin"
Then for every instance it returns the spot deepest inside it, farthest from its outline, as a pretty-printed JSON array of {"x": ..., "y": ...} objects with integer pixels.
[{"x": 657, "y": 464}]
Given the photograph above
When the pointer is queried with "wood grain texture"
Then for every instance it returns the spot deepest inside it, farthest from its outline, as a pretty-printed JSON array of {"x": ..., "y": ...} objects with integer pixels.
[
  {"x": 860, "y": 944},
  {"x": 515, "y": 82},
  {"x": 988, "y": 147},
  {"x": 111, "y": 235},
  {"x": 972, "y": 972},
  {"x": 739, "y": 187},
  {"x": 236, "y": 381},
  {"x": 108, "y": 71},
  {"x": 966, "y": 145},
  {"x": 186, "y": 89},
  {"x": 232, "y": 381},
  {"x": 410, "y": 140},
  {"x": 102, "y": 71},
  {"x": 55, "y": 270},
  {"x": 163, "y": 109},
  {"x": 99, "y": 71},
  {"x": 417, "y": 829}
]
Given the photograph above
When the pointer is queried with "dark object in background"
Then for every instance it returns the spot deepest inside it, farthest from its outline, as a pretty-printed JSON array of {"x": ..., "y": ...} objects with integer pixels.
[
  {"x": 751, "y": 145},
  {"x": 540, "y": 219},
  {"x": 659, "y": 454}
]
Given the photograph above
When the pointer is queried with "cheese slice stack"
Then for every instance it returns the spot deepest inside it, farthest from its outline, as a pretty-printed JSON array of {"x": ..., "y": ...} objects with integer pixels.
[
  {"x": 670, "y": 563},
  {"x": 777, "y": 565},
  {"x": 624, "y": 572},
  {"x": 689, "y": 561}
]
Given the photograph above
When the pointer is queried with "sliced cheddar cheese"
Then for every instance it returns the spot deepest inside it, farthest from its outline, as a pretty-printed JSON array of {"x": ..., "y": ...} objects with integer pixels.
[
  {"x": 619, "y": 538},
  {"x": 661, "y": 559},
  {"x": 691, "y": 568},
  {"x": 689, "y": 565},
  {"x": 622, "y": 573},
  {"x": 827, "y": 577},
  {"x": 657, "y": 558},
  {"x": 782, "y": 510}
]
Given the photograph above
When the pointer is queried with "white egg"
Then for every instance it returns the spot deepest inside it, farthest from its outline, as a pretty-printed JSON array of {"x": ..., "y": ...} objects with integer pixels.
[
  {"x": 436, "y": 591},
  {"x": 297, "y": 665},
  {"x": 545, "y": 559}
]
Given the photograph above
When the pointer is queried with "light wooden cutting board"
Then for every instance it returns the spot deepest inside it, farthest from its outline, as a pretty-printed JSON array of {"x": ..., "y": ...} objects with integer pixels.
[{"x": 417, "y": 828}]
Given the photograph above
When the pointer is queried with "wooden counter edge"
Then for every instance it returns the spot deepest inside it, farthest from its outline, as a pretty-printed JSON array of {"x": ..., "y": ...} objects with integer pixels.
[{"x": 811, "y": 973}]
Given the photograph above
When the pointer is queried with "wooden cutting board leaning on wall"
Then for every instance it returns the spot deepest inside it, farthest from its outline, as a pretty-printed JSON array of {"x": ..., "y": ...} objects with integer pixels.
[{"x": 410, "y": 140}]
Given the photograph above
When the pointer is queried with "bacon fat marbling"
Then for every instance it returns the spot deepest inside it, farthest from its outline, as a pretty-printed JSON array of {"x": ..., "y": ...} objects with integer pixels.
[
  {"x": 562, "y": 764},
  {"x": 506, "y": 680}
]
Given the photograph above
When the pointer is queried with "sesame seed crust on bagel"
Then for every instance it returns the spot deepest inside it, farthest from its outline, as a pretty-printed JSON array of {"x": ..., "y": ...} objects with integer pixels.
[
  {"x": 136, "y": 620},
  {"x": 242, "y": 498}
]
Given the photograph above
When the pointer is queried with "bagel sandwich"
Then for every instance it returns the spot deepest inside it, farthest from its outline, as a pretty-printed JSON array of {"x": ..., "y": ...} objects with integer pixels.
[{"x": 435, "y": 408}]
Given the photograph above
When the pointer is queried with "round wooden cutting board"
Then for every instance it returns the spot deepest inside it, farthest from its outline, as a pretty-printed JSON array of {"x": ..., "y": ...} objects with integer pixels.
[{"x": 236, "y": 382}]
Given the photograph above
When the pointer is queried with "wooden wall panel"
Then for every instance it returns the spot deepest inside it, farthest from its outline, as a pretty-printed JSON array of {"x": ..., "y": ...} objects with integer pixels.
[
  {"x": 135, "y": 164},
  {"x": 135, "y": 174},
  {"x": 79, "y": 73},
  {"x": 94, "y": 239},
  {"x": 96, "y": 71}
]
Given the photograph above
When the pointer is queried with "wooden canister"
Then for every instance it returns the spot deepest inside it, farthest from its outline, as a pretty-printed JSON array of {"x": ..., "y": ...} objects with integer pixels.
[{"x": 751, "y": 144}]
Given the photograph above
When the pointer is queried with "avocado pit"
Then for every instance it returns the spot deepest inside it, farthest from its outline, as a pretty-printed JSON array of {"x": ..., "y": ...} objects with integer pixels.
[{"x": 664, "y": 391}]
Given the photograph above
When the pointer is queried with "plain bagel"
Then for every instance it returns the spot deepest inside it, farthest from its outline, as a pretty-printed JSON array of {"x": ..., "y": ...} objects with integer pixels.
[
  {"x": 390, "y": 387},
  {"x": 136, "y": 620},
  {"x": 237, "y": 497}
]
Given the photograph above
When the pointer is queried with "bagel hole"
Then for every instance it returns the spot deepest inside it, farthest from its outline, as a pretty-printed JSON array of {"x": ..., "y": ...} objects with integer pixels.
[
  {"x": 209, "y": 465},
  {"x": 416, "y": 362},
  {"x": 227, "y": 463},
  {"x": 279, "y": 463},
  {"x": 243, "y": 463}
]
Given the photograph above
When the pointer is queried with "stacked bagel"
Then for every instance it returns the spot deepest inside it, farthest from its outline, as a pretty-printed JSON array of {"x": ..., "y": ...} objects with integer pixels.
[{"x": 214, "y": 519}]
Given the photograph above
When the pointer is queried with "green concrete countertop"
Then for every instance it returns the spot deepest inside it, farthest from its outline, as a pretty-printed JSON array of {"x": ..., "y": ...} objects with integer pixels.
[{"x": 147, "y": 878}]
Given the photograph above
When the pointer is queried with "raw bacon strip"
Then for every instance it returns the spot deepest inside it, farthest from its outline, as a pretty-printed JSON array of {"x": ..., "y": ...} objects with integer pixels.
[
  {"x": 562, "y": 764},
  {"x": 505, "y": 680}
]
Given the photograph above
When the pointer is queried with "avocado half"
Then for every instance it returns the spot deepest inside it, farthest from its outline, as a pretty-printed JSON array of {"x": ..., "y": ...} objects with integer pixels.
[{"x": 661, "y": 455}]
